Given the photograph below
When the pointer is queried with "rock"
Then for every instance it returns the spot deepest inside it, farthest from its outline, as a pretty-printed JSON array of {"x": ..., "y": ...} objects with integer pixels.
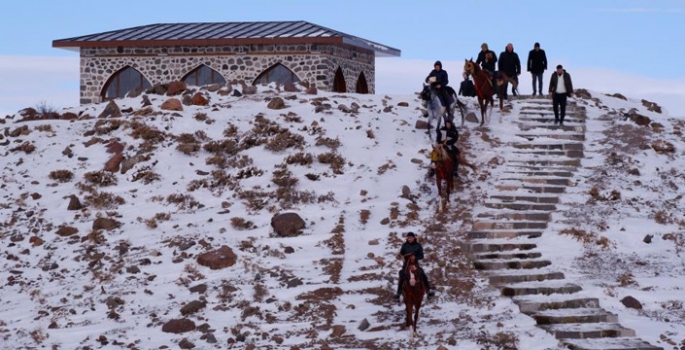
[
  {"x": 178, "y": 326},
  {"x": 471, "y": 117},
  {"x": 112, "y": 165},
  {"x": 200, "y": 100},
  {"x": 114, "y": 302},
  {"x": 192, "y": 307},
  {"x": 582, "y": 93},
  {"x": 295, "y": 282},
  {"x": 114, "y": 147},
  {"x": 68, "y": 152},
  {"x": 648, "y": 239},
  {"x": 187, "y": 100},
  {"x": 385, "y": 221},
  {"x": 363, "y": 325},
  {"x": 111, "y": 111},
  {"x": 338, "y": 330},
  {"x": 16, "y": 238},
  {"x": 200, "y": 288},
  {"x": 287, "y": 224},
  {"x": 146, "y": 101},
  {"x": 440, "y": 347},
  {"x": 402, "y": 104},
  {"x": 69, "y": 116},
  {"x": 105, "y": 224},
  {"x": 172, "y": 104},
  {"x": 211, "y": 339},
  {"x": 632, "y": 303},
  {"x": 662, "y": 147},
  {"x": 218, "y": 259},
  {"x": 387, "y": 109},
  {"x": 135, "y": 92},
  {"x": 236, "y": 93},
  {"x": 214, "y": 87},
  {"x": 617, "y": 95},
  {"x": 288, "y": 250},
  {"x": 374, "y": 242},
  {"x": 342, "y": 107},
  {"x": 276, "y": 103},
  {"x": 185, "y": 344},
  {"x": 290, "y": 87},
  {"x": 36, "y": 241},
  {"x": 175, "y": 88},
  {"x": 66, "y": 231},
  {"x": 22, "y": 130},
  {"x": 312, "y": 90},
  {"x": 406, "y": 192},
  {"x": 421, "y": 124},
  {"x": 248, "y": 89},
  {"x": 128, "y": 163}
]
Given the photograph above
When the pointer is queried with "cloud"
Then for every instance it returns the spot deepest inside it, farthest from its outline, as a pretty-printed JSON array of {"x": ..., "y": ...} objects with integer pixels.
[{"x": 28, "y": 81}]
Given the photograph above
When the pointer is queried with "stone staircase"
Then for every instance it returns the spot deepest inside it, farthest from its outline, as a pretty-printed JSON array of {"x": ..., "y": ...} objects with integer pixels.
[{"x": 502, "y": 242}]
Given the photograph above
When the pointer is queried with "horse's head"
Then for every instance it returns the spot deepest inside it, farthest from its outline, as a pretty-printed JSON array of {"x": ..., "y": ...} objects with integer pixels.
[
  {"x": 425, "y": 94},
  {"x": 470, "y": 66}
]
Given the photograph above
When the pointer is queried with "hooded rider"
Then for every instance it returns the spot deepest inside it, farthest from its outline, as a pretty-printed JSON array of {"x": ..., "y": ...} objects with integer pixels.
[
  {"x": 448, "y": 135},
  {"x": 438, "y": 80}
]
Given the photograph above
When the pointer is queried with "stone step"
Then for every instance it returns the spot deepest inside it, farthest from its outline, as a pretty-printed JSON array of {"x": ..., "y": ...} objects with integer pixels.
[
  {"x": 572, "y": 162},
  {"x": 619, "y": 343},
  {"x": 557, "y": 136},
  {"x": 588, "y": 330},
  {"x": 569, "y": 154},
  {"x": 578, "y": 315},
  {"x": 495, "y": 245},
  {"x": 521, "y": 206},
  {"x": 551, "y": 146},
  {"x": 506, "y": 256},
  {"x": 517, "y": 216},
  {"x": 514, "y": 264},
  {"x": 527, "y": 198},
  {"x": 537, "y": 303},
  {"x": 508, "y": 225},
  {"x": 541, "y": 180},
  {"x": 549, "y": 118},
  {"x": 519, "y": 276},
  {"x": 496, "y": 234},
  {"x": 549, "y": 168},
  {"x": 541, "y": 173},
  {"x": 566, "y": 127},
  {"x": 532, "y": 189},
  {"x": 544, "y": 288}
]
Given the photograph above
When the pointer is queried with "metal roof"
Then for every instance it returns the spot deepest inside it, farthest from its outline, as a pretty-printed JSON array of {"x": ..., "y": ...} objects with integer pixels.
[{"x": 223, "y": 33}]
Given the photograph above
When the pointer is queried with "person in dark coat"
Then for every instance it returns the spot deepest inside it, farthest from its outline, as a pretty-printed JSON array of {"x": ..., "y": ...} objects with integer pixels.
[
  {"x": 537, "y": 65},
  {"x": 487, "y": 59},
  {"x": 412, "y": 247},
  {"x": 466, "y": 88},
  {"x": 560, "y": 87},
  {"x": 438, "y": 79},
  {"x": 510, "y": 65},
  {"x": 448, "y": 135}
]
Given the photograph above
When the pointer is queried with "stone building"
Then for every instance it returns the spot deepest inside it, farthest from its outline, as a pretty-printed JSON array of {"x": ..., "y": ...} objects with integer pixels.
[{"x": 116, "y": 62}]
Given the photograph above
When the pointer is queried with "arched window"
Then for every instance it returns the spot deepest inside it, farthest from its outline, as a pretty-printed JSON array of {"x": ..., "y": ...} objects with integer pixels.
[
  {"x": 123, "y": 81},
  {"x": 362, "y": 87},
  {"x": 203, "y": 75},
  {"x": 339, "y": 81},
  {"x": 278, "y": 73}
]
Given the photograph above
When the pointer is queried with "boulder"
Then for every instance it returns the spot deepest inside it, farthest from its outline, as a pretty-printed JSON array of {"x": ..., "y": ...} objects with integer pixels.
[
  {"x": 192, "y": 307},
  {"x": 111, "y": 111},
  {"x": 290, "y": 87},
  {"x": 66, "y": 231},
  {"x": 74, "y": 203},
  {"x": 200, "y": 99},
  {"x": 631, "y": 302},
  {"x": 178, "y": 326},
  {"x": 112, "y": 165},
  {"x": 172, "y": 104},
  {"x": 218, "y": 259},
  {"x": 276, "y": 103},
  {"x": 105, "y": 224},
  {"x": 287, "y": 224},
  {"x": 402, "y": 104},
  {"x": 175, "y": 88},
  {"x": 663, "y": 147}
]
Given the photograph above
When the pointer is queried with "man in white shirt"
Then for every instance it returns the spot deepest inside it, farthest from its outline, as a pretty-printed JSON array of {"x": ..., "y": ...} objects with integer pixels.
[{"x": 560, "y": 87}]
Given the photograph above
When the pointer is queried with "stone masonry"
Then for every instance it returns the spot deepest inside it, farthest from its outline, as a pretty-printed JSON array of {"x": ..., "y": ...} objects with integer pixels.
[{"x": 313, "y": 63}]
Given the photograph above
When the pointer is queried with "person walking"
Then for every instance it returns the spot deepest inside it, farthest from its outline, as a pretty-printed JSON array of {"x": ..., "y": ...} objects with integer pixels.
[
  {"x": 537, "y": 65},
  {"x": 466, "y": 87},
  {"x": 510, "y": 64},
  {"x": 560, "y": 88}
]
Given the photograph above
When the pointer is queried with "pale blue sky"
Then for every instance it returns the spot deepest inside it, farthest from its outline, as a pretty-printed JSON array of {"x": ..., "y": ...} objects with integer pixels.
[{"x": 639, "y": 38}]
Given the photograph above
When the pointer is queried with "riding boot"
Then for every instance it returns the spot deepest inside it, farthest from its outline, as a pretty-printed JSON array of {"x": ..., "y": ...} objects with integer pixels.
[{"x": 424, "y": 277}]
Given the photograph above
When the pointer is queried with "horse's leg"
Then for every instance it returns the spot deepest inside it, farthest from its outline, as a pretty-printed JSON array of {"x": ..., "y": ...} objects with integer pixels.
[
  {"x": 416, "y": 314},
  {"x": 483, "y": 105},
  {"x": 408, "y": 305}
]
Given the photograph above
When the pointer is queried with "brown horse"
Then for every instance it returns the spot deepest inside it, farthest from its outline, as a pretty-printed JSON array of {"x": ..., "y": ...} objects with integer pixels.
[
  {"x": 484, "y": 89},
  {"x": 413, "y": 291},
  {"x": 444, "y": 169}
]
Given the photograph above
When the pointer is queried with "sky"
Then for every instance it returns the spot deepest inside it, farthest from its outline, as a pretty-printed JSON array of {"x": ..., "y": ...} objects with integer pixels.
[
  {"x": 63, "y": 294},
  {"x": 626, "y": 46}
]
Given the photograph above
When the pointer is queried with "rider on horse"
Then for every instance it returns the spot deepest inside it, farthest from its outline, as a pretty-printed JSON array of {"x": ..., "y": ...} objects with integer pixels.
[
  {"x": 412, "y": 247},
  {"x": 487, "y": 59},
  {"x": 448, "y": 136},
  {"x": 438, "y": 80}
]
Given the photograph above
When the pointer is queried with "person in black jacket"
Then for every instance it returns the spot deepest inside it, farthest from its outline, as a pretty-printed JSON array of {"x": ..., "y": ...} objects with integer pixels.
[
  {"x": 466, "y": 88},
  {"x": 537, "y": 65},
  {"x": 412, "y": 247},
  {"x": 560, "y": 87},
  {"x": 487, "y": 59},
  {"x": 510, "y": 65},
  {"x": 448, "y": 135},
  {"x": 438, "y": 80}
]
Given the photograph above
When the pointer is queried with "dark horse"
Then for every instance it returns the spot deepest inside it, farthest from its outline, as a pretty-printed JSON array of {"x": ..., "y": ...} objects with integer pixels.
[
  {"x": 484, "y": 89},
  {"x": 436, "y": 111},
  {"x": 413, "y": 291},
  {"x": 444, "y": 169}
]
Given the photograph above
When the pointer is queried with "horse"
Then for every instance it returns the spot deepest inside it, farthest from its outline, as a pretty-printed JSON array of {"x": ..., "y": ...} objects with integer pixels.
[
  {"x": 436, "y": 111},
  {"x": 484, "y": 89},
  {"x": 413, "y": 291},
  {"x": 444, "y": 169}
]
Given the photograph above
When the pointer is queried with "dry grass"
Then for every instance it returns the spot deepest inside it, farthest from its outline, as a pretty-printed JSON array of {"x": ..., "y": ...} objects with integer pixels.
[
  {"x": 333, "y": 144},
  {"x": 188, "y": 148},
  {"x": 364, "y": 215},
  {"x": 61, "y": 175},
  {"x": 334, "y": 160},
  {"x": 145, "y": 175},
  {"x": 241, "y": 224},
  {"x": 101, "y": 178},
  {"x": 103, "y": 200},
  {"x": 299, "y": 159},
  {"x": 285, "y": 140}
]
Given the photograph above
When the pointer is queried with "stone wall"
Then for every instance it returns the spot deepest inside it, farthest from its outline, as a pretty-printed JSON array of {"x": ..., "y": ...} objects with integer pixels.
[{"x": 314, "y": 63}]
